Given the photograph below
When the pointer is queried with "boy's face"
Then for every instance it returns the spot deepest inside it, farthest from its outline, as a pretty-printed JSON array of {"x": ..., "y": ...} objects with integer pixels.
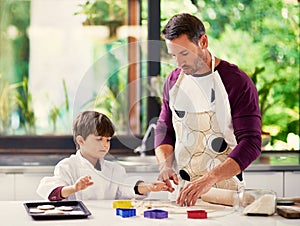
[{"x": 95, "y": 146}]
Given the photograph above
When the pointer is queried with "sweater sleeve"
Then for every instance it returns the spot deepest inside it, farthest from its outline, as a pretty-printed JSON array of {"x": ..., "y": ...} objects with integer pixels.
[
  {"x": 246, "y": 118},
  {"x": 247, "y": 129},
  {"x": 55, "y": 195},
  {"x": 164, "y": 132}
]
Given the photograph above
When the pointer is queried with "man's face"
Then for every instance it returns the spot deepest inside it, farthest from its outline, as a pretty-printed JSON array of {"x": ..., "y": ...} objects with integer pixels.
[{"x": 188, "y": 55}]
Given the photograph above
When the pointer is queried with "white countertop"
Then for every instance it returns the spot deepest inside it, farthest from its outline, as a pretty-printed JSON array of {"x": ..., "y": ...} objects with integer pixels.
[
  {"x": 41, "y": 163},
  {"x": 13, "y": 213}
]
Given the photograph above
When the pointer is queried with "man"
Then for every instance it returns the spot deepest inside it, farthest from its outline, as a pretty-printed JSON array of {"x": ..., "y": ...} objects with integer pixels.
[{"x": 209, "y": 128}]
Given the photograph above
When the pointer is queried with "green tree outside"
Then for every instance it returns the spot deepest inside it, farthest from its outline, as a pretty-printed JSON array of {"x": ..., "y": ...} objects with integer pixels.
[{"x": 262, "y": 38}]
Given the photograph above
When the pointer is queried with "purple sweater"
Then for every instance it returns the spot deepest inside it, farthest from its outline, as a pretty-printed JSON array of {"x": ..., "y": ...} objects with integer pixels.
[{"x": 246, "y": 119}]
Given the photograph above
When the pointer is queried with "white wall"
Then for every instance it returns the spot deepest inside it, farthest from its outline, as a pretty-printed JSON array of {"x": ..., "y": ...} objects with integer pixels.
[{"x": 60, "y": 48}]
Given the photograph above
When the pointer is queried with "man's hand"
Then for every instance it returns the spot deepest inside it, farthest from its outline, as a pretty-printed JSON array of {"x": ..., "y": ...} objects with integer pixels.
[
  {"x": 166, "y": 174},
  {"x": 165, "y": 157},
  {"x": 193, "y": 190}
]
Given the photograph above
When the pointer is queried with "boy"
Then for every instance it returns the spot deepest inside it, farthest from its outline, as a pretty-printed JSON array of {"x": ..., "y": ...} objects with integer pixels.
[{"x": 86, "y": 175}]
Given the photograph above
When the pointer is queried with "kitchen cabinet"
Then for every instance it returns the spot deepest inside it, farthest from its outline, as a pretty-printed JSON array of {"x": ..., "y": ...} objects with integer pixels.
[
  {"x": 20, "y": 186},
  {"x": 21, "y": 183},
  {"x": 7, "y": 187},
  {"x": 26, "y": 185},
  {"x": 292, "y": 183},
  {"x": 266, "y": 180},
  {"x": 284, "y": 183}
]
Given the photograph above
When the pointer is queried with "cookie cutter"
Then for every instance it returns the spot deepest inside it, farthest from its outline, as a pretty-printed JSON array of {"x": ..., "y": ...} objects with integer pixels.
[
  {"x": 124, "y": 212},
  {"x": 156, "y": 213},
  {"x": 122, "y": 204},
  {"x": 197, "y": 214}
]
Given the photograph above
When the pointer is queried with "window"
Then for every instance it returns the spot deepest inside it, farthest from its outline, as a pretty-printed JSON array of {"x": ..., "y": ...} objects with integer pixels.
[
  {"x": 79, "y": 55},
  {"x": 61, "y": 57}
]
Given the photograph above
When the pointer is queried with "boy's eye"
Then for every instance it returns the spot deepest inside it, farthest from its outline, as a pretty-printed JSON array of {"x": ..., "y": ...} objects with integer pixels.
[
  {"x": 102, "y": 138},
  {"x": 184, "y": 53}
]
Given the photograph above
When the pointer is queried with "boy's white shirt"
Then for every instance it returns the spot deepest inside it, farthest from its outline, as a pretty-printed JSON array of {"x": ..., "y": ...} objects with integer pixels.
[{"x": 111, "y": 182}]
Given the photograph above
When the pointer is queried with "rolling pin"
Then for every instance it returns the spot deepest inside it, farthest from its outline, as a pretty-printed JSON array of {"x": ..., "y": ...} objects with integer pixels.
[
  {"x": 294, "y": 199},
  {"x": 219, "y": 196}
]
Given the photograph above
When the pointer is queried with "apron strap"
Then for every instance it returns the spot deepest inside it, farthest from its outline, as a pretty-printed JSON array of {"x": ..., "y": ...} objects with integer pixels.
[{"x": 213, "y": 60}]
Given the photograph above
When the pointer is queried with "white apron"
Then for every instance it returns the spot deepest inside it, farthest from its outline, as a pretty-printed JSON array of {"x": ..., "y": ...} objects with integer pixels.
[{"x": 204, "y": 135}]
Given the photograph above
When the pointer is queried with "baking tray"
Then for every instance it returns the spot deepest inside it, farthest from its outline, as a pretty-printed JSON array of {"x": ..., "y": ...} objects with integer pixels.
[{"x": 79, "y": 210}]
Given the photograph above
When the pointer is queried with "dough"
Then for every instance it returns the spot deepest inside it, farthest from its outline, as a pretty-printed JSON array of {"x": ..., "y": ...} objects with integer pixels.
[
  {"x": 45, "y": 207},
  {"x": 54, "y": 211},
  {"x": 64, "y": 208},
  {"x": 77, "y": 212},
  {"x": 35, "y": 210}
]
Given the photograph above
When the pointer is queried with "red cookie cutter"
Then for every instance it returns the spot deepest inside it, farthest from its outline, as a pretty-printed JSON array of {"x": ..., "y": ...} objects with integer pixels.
[{"x": 197, "y": 214}]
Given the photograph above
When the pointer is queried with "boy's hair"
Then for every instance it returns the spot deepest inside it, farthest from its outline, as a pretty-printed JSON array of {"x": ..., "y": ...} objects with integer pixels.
[
  {"x": 184, "y": 23},
  {"x": 92, "y": 122}
]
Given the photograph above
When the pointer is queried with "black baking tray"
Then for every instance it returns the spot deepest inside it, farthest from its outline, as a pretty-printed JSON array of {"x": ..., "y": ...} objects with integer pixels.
[{"x": 79, "y": 210}]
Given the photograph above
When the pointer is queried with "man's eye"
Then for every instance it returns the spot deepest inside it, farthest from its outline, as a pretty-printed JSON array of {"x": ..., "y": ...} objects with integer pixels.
[{"x": 185, "y": 54}]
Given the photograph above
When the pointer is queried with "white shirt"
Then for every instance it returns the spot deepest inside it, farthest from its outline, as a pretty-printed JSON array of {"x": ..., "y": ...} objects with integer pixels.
[{"x": 111, "y": 182}]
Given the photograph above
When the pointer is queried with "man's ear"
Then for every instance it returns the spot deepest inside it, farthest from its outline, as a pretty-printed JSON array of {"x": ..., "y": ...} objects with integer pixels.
[
  {"x": 79, "y": 140},
  {"x": 203, "y": 41}
]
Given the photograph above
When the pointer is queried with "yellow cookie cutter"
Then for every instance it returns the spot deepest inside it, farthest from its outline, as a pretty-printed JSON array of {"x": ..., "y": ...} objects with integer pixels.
[{"x": 122, "y": 204}]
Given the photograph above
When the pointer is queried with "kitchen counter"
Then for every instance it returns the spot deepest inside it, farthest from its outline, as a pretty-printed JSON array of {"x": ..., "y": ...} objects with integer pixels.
[
  {"x": 13, "y": 213},
  {"x": 26, "y": 163}
]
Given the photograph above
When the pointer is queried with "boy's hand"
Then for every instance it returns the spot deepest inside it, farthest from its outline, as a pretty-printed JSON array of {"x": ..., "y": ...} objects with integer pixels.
[
  {"x": 82, "y": 183},
  {"x": 158, "y": 186},
  {"x": 144, "y": 187}
]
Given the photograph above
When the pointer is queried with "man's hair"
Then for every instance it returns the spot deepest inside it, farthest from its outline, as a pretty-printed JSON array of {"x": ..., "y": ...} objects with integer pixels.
[
  {"x": 92, "y": 122},
  {"x": 184, "y": 23}
]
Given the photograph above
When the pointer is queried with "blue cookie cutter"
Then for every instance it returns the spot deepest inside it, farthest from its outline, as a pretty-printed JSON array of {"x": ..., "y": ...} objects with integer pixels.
[
  {"x": 156, "y": 213},
  {"x": 125, "y": 212}
]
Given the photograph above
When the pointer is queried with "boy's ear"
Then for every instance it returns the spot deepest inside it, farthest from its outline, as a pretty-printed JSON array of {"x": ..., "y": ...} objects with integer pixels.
[{"x": 79, "y": 140}]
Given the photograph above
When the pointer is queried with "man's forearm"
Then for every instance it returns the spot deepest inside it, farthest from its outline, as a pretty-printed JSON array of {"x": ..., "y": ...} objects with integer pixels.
[
  {"x": 165, "y": 155},
  {"x": 225, "y": 170}
]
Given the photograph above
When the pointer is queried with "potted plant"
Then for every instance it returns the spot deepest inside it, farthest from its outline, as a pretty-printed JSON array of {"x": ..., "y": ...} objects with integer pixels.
[
  {"x": 264, "y": 103},
  {"x": 113, "y": 103},
  {"x": 58, "y": 111},
  {"x": 7, "y": 105},
  {"x": 103, "y": 12}
]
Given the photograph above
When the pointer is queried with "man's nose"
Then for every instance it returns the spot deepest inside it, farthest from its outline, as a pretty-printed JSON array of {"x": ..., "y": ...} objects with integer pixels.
[{"x": 180, "y": 61}]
